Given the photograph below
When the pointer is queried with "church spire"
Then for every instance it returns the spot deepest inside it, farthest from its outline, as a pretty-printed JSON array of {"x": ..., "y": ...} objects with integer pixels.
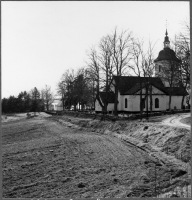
[
  {"x": 166, "y": 41},
  {"x": 166, "y": 32}
]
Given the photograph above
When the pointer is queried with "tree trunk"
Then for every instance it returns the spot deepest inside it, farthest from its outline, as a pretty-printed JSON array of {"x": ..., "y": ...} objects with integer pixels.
[
  {"x": 141, "y": 102},
  {"x": 63, "y": 101},
  {"x": 151, "y": 99},
  {"x": 97, "y": 97},
  {"x": 182, "y": 101},
  {"x": 47, "y": 105},
  {"x": 170, "y": 102},
  {"x": 116, "y": 101}
]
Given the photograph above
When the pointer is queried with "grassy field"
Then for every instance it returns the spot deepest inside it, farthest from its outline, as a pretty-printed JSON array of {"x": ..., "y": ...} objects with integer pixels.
[{"x": 42, "y": 158}]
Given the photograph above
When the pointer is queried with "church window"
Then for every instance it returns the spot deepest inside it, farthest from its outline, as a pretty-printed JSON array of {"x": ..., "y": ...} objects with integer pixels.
[
  {"x": 156, "y": 103},
  {"x": 125, "y": 102}
]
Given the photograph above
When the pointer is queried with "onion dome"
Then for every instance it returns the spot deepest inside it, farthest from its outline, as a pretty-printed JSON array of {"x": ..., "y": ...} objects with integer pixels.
[{"x": 167, "y": 53}]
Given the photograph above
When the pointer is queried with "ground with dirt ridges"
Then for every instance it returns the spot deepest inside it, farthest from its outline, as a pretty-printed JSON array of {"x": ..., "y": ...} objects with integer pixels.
[
  {"x": 44, "y": 158},
  {"x": 186, "y": 120}
]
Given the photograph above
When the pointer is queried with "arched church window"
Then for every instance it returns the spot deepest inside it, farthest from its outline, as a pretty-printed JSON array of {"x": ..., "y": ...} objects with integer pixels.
[
  {"x": 156, "y": 103},
  {"x": 125, "y": 102}
]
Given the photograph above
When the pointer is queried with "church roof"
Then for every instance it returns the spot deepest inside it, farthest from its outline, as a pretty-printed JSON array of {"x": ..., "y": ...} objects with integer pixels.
[
  {"x": 167, "y": 54},
  {"x": 129, "y": 85},
  {"x": 137, "y": 87},
  {"x": 176, "y": 91},
  {"x": 110, "y": 97},
  {"x": 125, "y": 83}
]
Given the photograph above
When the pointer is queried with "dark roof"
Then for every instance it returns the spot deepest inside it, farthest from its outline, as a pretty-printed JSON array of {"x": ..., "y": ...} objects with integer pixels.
[
  {"x": 167, "y": 54},
  {"x": 128, "y": 85},
  {"x": 110, "y": 97},
  {"x": 137, "y": 87},
  {"x": 125, "y": 83},
  {"x": 176, "y": 91}
]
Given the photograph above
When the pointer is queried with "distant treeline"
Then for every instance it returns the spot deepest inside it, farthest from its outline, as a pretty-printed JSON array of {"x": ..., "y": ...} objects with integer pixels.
[{"x": 24, "y": 102}]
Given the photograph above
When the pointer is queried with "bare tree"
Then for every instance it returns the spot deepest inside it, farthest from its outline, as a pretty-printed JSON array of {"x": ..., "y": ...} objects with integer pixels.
[
  {"x": 65, "y": 88},
  {"x": 143, "y": 66},
  {"x": 121, "y": 55},
  {"x": 35, "y": 96},
  {"x": 82, "y": 89},
  {"x": 47, "y": 96},
  {"x": 100, "y": 68},
  {"x": 182, "y": 48},
  {"x": 170, "y": 75},
  {"x": 105, "y": 58},
  {"x": 61, "y": 91},
  {"x": 94, "y": 71}
]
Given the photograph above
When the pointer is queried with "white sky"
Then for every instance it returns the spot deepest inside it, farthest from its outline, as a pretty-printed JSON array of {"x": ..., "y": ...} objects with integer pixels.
[{"x": 40, "y": 40}]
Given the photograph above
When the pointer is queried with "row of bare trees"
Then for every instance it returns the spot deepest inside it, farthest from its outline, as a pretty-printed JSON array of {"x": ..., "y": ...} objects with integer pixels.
[{"x": 119, "y": 54}]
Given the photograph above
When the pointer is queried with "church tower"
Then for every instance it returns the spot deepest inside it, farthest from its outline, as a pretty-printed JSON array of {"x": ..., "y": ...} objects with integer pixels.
[{"x": 166, "y": 65}]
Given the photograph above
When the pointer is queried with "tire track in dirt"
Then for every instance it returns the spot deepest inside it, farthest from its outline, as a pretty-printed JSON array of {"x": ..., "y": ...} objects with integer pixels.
[{"x": 176, "y": 121}]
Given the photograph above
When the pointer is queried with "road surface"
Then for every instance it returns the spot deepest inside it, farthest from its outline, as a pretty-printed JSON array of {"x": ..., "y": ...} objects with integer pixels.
[{"x": 175, "y": 120}]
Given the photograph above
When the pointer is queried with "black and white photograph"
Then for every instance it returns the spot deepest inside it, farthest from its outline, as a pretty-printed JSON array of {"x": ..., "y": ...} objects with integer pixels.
[{"x": 95, "y": 99}]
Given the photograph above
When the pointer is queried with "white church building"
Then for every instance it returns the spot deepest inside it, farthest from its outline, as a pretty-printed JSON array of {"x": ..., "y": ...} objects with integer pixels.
[{"x": 129, "y": 88}]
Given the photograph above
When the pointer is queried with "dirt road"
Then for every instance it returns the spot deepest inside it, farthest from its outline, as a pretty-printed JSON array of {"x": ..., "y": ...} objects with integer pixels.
[
  {"x": 42, "y": 158},
  {"x": 176, "y": 121}
]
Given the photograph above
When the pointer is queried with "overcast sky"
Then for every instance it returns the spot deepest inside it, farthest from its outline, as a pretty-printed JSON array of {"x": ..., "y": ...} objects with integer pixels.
[{"x": 40, "y": 40}]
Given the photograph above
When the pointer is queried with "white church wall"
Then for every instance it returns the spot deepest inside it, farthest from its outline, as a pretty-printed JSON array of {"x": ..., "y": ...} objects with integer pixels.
[
  {"x": 164, "y": 65},
  {"x": 112, "y": 86},
  {"x": 98, "y": 108},
  {"x": 133, "y": 103},
  {"x": 110, "y": 107},
  {"x": 120, "y": 99},
  {"x": 162, "y": 102},
  {"x": 176, "y": 102}
]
